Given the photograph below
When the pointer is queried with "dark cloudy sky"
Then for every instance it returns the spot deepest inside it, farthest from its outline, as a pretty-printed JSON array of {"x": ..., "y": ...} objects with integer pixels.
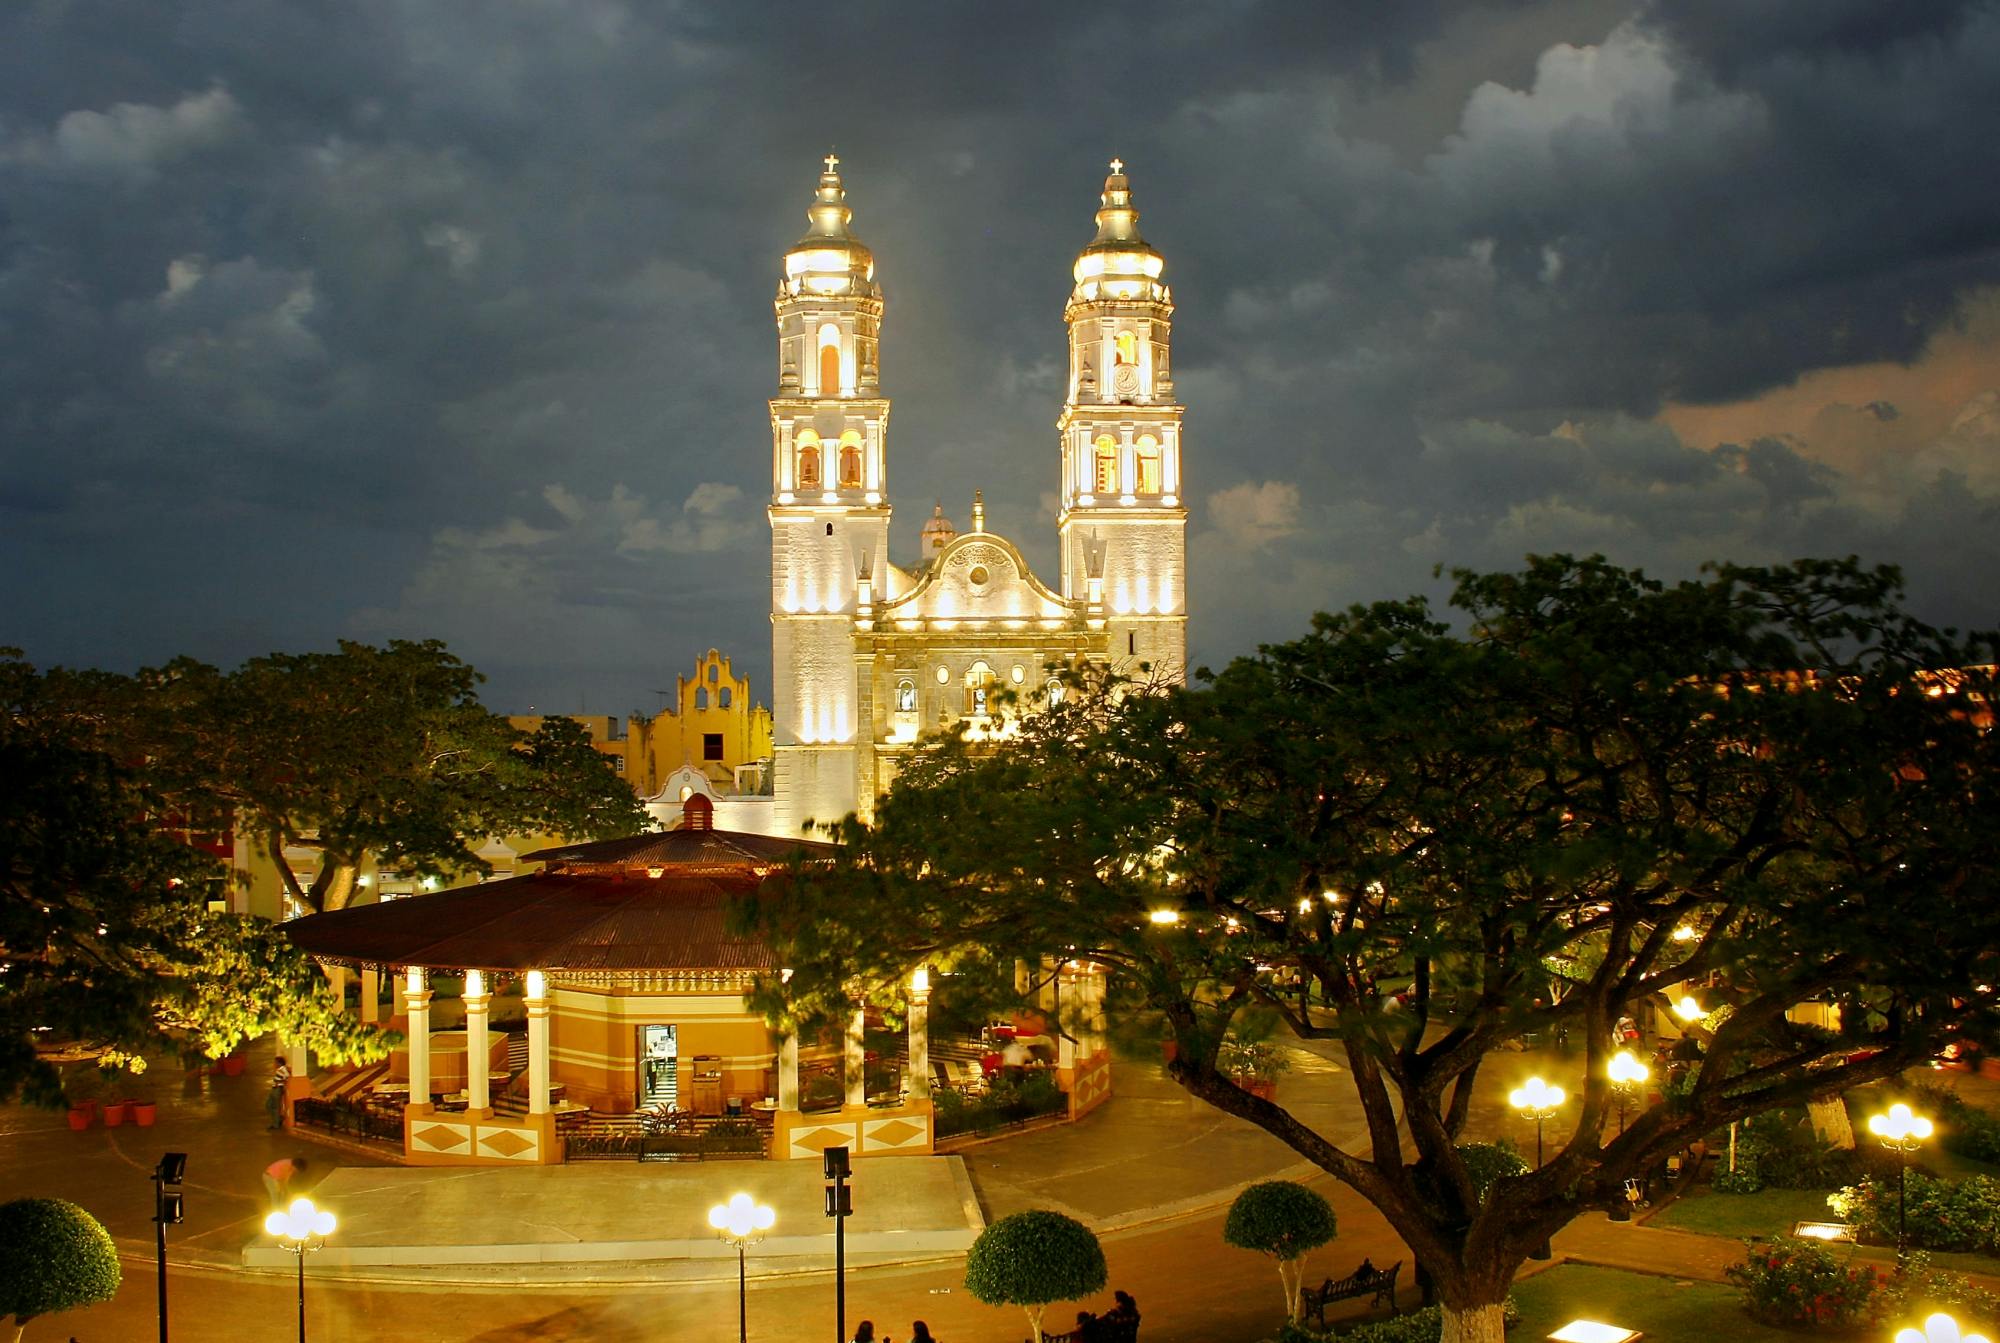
[{"x": 452, "y": 317}]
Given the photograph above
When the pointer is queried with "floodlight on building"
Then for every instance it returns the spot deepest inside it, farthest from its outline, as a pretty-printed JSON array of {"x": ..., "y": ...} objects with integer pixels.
[
  {"x": 1165, "y": 916},
  {"x": 538, "y": 985},
  {"x": 1594, "y": 1331},
  {"x": 1687, "y": 1009}
]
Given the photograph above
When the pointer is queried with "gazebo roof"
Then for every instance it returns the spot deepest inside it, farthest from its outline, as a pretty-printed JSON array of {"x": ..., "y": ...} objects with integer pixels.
[
  {"x": 595, "y": 921},
  {"x": 686, "y": 847}
]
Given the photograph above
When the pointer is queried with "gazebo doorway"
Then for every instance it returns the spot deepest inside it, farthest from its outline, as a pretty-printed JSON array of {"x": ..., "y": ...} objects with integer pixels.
[{"x": 659, "y": 1067}]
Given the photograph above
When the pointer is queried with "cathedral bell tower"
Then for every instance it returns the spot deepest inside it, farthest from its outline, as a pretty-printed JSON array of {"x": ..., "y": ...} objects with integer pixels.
[
  {"x": 1123, "y": 527},
  {"x": 829, "y": 511}
]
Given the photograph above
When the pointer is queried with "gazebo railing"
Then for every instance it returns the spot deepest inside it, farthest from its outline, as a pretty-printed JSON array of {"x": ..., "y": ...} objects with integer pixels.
[{"x": 345, "y": 1119}]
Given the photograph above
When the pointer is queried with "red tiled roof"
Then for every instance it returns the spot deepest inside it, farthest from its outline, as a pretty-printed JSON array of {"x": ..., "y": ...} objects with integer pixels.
[{"x": 550, "y": 921}]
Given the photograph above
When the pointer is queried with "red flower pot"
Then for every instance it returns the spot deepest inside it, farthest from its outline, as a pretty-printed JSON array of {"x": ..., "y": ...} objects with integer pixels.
[
  {"x": 80, "y": 1116},
  {"x": 144, "y": 1112},
  {"x": 115, "y": 1113}
]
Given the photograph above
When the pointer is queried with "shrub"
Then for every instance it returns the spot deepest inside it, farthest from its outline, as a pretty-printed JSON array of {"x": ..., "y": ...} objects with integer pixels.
[
  {"x": 1032, "y": 1259},
  {"x": 54, "y": 1256},
  {"x": 1745, "y": 1179},
  {"x": 1488, "y": 1163},
  {"x": 1964, "y": 1129},
  {"x": 1943, "y": 1214},
  {"x": 1418, "y": 1326},
  {"x": 1918, "y": 1287},
  {"x": 1283, "y": 1219},
  {"x": 1792, "y": 1282}
]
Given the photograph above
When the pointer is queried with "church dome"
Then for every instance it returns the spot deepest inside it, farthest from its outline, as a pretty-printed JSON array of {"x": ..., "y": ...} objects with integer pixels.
[
  {"x": 829, "y": 259},
  {"x": 938, "y": 532},
  {"x": 1118, "y": 264}
]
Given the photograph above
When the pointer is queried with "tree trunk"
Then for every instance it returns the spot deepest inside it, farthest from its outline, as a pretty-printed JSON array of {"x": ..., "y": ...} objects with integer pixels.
[
  {"x": 1035, "y": 1321},
  {"x": 335, "y": 887},
  {"x": 1473, "y": 1324},
  {"x": 1291, "y": 1275},
  {"x": 1831, "y": 1124}
]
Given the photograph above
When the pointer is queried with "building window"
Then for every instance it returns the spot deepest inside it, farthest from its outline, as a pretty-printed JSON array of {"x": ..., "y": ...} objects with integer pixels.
[
  {"x": 906, "y": 697},
  {"x": 1149, "y": 465},
  {"x": 1128, "y": 348},
  {"x": 618, "y": 763},
  {"x": 711, "y": 746},
  {"x": 809, "y": 461},
  {"x": 722, "y": 697},
  {"x": 978, "y": 686},
  {"x": 1107, "y": 465},
  {"x": 714, "y": 672},
  {"x": 701, "y": 697},
  {"x": 850, "y": 464},
  {"x": 1055, "y": 693},
  {"x": 829, "y": 370}
]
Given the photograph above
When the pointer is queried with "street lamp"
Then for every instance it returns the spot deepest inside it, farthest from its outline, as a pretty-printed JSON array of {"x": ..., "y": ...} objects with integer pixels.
[
  {"x": 167, "y": 1211},
  {"x": 1687, "y": 1009},
  {"x": 741, "y": 1221},
  {"x": 1537, "y": 1100},
  {"x": 1627, "y": 1073},
  {"x": 301, "y": 1229},
  {"x": 1939, "y": 1328},
  {"x": 1902, "y": 1131}
]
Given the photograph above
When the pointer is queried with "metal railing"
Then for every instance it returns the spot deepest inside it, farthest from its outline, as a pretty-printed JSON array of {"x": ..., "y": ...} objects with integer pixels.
[{"x": 345, "y": 1119}]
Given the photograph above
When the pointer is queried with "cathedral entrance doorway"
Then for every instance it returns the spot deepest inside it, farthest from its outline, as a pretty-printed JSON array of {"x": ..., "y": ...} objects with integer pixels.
[{"x": 659, "y": 1066}]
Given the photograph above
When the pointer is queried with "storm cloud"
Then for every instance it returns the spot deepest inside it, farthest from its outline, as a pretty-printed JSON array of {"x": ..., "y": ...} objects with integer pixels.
[{"x": 437, "y": 318}]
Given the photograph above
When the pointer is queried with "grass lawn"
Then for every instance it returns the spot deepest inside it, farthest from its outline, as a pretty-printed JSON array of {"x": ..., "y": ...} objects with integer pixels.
[
  {"x": 1768, "y": 1212},
  {"x": 1665, "y": 1310}
]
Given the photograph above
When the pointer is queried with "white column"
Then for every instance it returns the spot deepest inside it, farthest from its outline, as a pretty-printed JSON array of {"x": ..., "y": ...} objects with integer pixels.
[
  {"x": 917, "y": 1079},
  {"x": 476, "y": 1002},
  {"x": 854, "y": 1058},
  {"x": 418, "y": 1003},
  {"x": 336, "y": 975},
  {"x": 371, "y": 996},
  {"x": 537, "y": 1001},
  {"x": 788, "y": 1073},
  {"x": 295, "y": 1057}
]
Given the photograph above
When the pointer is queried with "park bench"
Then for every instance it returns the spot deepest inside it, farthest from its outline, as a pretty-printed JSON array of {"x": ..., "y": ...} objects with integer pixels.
[
  {"x": 1103, "y": 1331},
  {"x": 1377, "y": 1284}
]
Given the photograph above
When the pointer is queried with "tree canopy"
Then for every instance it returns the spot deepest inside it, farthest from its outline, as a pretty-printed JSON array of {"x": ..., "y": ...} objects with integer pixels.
[
  {"x": 54, "y": 1256},
  {"x": 107, "y": 947},
  {"x": 1283, "y": 1219},
  {"x": 363, "y": 751},
  {"x": 1030, "y": 1259},
  {"x": 1772, "y": 783}
]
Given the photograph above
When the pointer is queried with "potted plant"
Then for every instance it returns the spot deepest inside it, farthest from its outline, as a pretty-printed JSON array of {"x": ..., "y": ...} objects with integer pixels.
[
  {"x": 82, "y": 1115},
  {"x": 144, "y": 1112},
  {"x": 1253, "y": 1065},
  {"x": 115, "y": 1113}
]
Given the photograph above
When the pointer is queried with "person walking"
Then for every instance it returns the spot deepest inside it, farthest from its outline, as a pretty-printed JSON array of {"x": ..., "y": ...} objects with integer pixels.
[
  {"x": 274, "y": 1101},
  {"x": 278, "y": 1177}
]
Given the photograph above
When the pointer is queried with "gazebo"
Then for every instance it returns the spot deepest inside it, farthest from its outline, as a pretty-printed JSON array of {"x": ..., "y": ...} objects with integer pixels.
[{"x": 632, "y": 985}]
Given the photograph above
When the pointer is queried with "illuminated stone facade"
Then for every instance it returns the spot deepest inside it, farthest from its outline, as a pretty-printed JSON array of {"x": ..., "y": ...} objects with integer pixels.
[{"x": 869, "y": 655}]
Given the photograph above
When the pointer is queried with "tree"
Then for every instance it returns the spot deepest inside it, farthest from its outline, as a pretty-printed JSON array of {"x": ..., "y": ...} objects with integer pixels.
[
  {"x": 54, "y": 1256},
  {"x": 1030, "y": 1259},
  {"x": 1283, "y": 1219},
  {"x": 1770, "y": 783},
  {"x": 109, "y": 948},
  {"x": 365, "y": 751}
]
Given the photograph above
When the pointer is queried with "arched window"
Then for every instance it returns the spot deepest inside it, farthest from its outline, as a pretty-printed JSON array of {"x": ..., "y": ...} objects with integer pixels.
[
  {"x": 829, "y": 359},
  {"x": 1128, "y": 348},
  {"x": 1149, "y": 465},
  {"x": 722, "y": 697},
  {"x": 1055, "y": 692},
  {"x": 978, "y": 686},
  {"x": 808, "y": 460},
  {"x": 1107, "y": 465},
  {"x": 701, "y": 697},
  {"x": 906, "y": 697},
  {"x": 850, "y": 461}
]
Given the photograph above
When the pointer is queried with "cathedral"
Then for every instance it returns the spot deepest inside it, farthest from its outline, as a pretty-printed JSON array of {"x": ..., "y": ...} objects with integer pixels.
[{"x": 869, "y": 654}]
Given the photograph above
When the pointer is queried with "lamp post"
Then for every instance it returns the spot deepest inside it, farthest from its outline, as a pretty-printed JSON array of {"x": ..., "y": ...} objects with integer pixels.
[
  {"x": 302, "y": 1229},
  {"x": 1537, "y": 1100},
  {"x": 1627, "y": 1074},
  {"x": 1938, "y": 1328},
  {"x": 839, "y": 1206},
  {"x": 1902, "y": 1131},
  {"x": 742, "y": 1221},
  {"x": 167, "y": 1211}
]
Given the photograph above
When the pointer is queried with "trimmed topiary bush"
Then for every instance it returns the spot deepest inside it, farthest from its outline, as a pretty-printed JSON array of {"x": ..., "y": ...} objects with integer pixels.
[
  {"x": 1032, "y": 1259},
  {"x": 54, "y": 1256},
  {"x": 1283, "y": 1219},
  {"x": 1488, "y": 1163}
]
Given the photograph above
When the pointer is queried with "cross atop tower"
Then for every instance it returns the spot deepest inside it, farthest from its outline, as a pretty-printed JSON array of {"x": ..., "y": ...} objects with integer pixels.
[
  {"x": 1117, "y": 165},
  {"x": 832, "y": 161}
]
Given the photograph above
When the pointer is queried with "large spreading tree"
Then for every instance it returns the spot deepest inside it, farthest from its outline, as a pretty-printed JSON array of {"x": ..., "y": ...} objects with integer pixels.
[
  {"x": 107, "y": 946},
  {"x": 1592, "y": 789},
  {"x": 365, "y": 751}
]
